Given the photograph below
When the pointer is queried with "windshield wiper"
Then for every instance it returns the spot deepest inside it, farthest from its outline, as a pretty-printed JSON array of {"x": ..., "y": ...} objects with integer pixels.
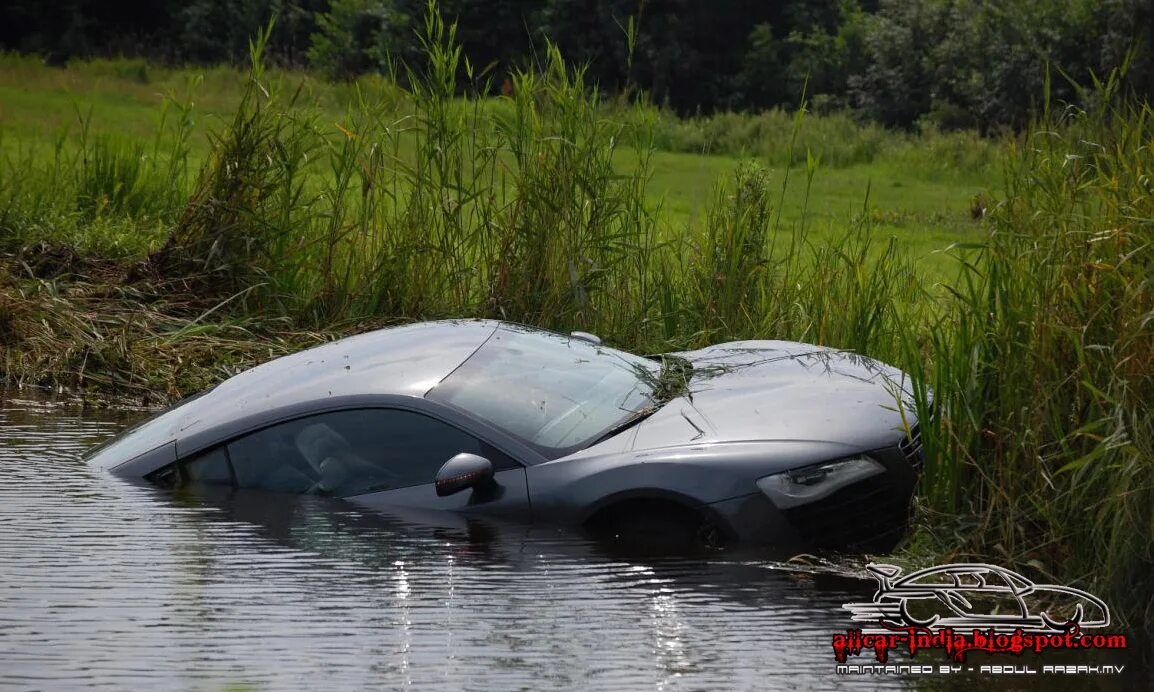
[
  {"x": 668, "y": 384},
  {"x": 637, "y": 417}
]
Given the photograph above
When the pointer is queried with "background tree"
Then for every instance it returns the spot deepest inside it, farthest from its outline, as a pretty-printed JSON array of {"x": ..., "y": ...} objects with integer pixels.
[
  {"x": 824, "y": 49},
  {"x": 976, "y": 63},
  {"x": 347, "y": 40},
  {"x": 953, "y": 63}
]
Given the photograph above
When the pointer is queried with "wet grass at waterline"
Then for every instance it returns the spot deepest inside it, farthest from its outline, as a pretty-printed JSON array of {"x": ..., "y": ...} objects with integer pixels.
[
  {"x": 1043, "y": 364},
  {"x": 290, "y": 230},
  {"x": 104, "y": 333}
]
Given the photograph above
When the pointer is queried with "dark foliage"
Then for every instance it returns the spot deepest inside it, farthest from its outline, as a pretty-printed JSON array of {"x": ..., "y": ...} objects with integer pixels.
[{"x": 949, "y": 63}]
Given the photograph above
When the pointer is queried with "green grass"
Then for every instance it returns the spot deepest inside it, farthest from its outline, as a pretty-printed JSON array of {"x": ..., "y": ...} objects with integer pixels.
[
  {"x": 925, "y": 216},
  {"x": 131, "y": 104}
]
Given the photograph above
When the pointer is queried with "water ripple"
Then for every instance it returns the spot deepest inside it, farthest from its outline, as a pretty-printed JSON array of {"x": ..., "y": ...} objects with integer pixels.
[{"x": 112, "y": 585}]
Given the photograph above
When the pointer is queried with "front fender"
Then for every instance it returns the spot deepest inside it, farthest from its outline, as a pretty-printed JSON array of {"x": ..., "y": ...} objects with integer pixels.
[{"x": 573, "y": 491}]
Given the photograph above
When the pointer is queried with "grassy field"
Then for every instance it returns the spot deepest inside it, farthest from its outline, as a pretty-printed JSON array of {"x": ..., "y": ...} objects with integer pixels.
[
  {"x": 154, "y": 244},
  {"x": 925, "y": 215},
  {"x": 926, "y": 207}
]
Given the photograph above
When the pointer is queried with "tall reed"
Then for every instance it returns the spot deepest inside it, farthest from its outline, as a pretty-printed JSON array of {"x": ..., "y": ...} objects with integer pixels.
[{"x": 1042, "y": 366}]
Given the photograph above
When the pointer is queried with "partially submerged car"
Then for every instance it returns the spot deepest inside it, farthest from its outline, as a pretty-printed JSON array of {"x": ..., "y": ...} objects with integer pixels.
[{"x": 766, "y": 442}]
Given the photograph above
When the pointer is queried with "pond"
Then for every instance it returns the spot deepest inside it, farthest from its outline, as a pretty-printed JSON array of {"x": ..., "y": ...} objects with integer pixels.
[{"x": 110, "y": 584}]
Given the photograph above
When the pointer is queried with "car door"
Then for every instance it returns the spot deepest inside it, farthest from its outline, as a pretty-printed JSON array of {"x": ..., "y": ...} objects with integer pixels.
[
  {"x": 420, "y": 444},
  {"x": 375, "y": 457}
]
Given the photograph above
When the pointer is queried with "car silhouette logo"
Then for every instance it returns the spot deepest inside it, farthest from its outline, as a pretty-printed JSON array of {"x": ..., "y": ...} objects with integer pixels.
[{"x": 975, "y": 595}]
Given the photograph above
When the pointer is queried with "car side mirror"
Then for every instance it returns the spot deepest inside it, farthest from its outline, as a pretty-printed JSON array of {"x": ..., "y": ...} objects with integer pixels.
[{"x": 461, "y": 472}]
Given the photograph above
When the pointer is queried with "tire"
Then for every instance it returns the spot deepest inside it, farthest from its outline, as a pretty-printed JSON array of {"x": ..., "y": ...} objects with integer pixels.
[{"x": 659, "y": 528}]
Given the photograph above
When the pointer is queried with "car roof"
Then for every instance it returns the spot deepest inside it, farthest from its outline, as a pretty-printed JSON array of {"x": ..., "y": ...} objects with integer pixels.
[{"x": 406, "y": 360}]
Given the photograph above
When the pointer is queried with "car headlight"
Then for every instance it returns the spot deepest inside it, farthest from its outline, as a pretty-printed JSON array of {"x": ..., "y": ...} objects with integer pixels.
[{"x": 804, "y": 485}]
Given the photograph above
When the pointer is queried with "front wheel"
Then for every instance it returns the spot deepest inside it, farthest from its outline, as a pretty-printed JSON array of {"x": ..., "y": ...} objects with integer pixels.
[{"x": 656, "y": 530}]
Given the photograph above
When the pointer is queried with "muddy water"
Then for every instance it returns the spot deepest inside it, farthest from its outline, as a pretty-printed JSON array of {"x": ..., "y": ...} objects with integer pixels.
[{"x": 108, "y": 584}]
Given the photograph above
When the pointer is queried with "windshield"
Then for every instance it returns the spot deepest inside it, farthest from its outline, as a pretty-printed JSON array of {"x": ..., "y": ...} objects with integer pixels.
[{"x": 554, "y": 392}]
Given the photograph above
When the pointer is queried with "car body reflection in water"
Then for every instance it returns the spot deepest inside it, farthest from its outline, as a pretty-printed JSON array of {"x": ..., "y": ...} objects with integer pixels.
[
  {"x": 106, "y": 583},
  {"x": 521, "y": 591}
]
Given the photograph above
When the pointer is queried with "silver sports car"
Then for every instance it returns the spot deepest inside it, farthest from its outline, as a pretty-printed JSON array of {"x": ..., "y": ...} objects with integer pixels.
[{"x": 767, "y": 442}]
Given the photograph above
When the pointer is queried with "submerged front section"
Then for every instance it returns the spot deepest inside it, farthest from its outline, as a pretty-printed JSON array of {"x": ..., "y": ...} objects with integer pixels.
[
  {"x": 830, "y": 443},
  {"x": 859, "y": 501},
  {"x": 869, "y": 513}
]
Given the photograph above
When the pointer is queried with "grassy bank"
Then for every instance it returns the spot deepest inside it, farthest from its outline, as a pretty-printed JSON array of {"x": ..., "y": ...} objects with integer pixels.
[
  {"x": 172, "y": 262},
  {"x": 96, "y": 115}
]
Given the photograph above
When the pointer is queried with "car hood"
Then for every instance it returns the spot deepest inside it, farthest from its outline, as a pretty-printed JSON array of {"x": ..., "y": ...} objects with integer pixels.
[{"x": 781, "y": 390}]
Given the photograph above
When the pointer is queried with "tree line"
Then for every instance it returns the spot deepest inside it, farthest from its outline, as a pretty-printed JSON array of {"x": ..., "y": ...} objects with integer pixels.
[{"x": 953, "y": 63}]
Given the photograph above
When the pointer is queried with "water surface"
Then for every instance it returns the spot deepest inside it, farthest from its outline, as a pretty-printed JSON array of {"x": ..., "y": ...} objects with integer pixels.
[{"x": 105, "y": 583}]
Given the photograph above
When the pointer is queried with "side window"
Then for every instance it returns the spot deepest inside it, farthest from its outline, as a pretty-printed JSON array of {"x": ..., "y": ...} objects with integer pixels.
[
  {"x": 352, "y": 452},
  {"x": 210, "y": 468}
]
